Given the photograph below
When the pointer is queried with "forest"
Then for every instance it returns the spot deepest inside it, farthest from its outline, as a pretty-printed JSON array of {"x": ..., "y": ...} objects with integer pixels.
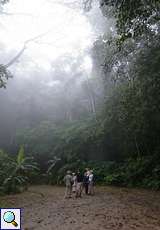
[{"x": 106, "y": 117}]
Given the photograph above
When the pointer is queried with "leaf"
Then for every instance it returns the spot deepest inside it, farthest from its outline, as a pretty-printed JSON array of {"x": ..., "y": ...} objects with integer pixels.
[{"x": 20, "y": 157}]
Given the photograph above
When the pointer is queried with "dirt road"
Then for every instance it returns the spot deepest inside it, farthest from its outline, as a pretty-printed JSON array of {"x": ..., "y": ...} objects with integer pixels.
[{"x": 110, "y": 209}]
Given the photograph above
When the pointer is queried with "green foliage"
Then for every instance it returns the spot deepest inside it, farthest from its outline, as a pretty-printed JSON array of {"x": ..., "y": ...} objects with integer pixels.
[
  {"x": 51, "y": 174},
  {"x": 133, "y": 172},
  {"x": 4, "y": 76},
  {"x": 15, "y": 172},
  {"x": 114, "y": 179},
  {"x": 138, "y": 172},
  {"x": 20, "y": 156},
  {"x": 134, "y": 17}
]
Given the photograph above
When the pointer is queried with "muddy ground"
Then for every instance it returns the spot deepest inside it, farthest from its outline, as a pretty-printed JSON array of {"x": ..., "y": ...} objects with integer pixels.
[{"x": 111, "y": 208}]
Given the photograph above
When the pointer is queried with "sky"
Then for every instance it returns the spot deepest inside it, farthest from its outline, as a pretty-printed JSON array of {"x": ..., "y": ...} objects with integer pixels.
[
  {"x": 59, "y": 32},
  {"x": 62, "y": 31}
]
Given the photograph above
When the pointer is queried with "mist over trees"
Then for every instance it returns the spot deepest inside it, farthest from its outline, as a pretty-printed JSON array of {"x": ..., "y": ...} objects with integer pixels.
[
  {"x": 98, "y": 104},
  {"x": 64, "y": 92}
]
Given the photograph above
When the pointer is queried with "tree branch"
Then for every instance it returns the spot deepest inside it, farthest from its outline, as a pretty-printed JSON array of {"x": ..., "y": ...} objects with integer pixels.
[
  {"x": 24, "y": 47},
  {"x": 16, "y": 14}
]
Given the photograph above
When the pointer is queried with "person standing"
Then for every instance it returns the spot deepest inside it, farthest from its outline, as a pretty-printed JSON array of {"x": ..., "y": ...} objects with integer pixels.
[
  {"x": 68, "y": 183},
  {"x": 74, "y": 182},
  {"x": 79, "y": 184},
  {"x": 86, "y": 181},
  {"x": 91, "y": 183}
]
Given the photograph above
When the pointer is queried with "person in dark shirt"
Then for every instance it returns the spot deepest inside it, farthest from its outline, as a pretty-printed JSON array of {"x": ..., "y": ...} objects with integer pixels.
[
  {"x": 86, "y": 182},
  {"x": 79, "y": 184}
]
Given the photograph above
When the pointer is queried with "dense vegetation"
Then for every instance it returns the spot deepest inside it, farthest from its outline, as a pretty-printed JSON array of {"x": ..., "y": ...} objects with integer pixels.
[
  {"x": 121, "y": 138},
  {"x": 15, "y": 171}
]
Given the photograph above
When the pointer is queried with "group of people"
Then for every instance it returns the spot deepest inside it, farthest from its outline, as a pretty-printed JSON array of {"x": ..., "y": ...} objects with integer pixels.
[{"x": 78, "y": 182}]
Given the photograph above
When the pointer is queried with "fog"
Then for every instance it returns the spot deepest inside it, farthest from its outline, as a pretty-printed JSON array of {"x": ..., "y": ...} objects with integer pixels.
[{"x": 54, "y": 77}]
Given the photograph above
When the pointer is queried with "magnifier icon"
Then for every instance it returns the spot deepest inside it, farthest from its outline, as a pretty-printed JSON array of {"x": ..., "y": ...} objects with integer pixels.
[{"x": 9, "y": 218}]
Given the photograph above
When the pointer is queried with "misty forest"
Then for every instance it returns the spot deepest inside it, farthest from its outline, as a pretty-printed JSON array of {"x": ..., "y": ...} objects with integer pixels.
[{"x": 80, "y": 88}]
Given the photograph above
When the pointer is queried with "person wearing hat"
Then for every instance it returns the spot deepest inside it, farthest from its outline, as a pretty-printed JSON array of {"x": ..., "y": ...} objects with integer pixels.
[{"x": 68, "y": 183}]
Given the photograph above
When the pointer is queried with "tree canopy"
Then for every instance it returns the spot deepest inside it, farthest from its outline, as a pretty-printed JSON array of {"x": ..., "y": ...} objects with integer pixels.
[{"x": 112, "y": 123}]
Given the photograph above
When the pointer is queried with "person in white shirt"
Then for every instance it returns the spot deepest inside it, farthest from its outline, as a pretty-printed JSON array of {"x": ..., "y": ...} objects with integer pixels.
[{"x": 91, "y": 183}]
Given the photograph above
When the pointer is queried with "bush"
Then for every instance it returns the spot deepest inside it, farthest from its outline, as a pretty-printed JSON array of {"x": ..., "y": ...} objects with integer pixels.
[{"x": 15, "y": 171}]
